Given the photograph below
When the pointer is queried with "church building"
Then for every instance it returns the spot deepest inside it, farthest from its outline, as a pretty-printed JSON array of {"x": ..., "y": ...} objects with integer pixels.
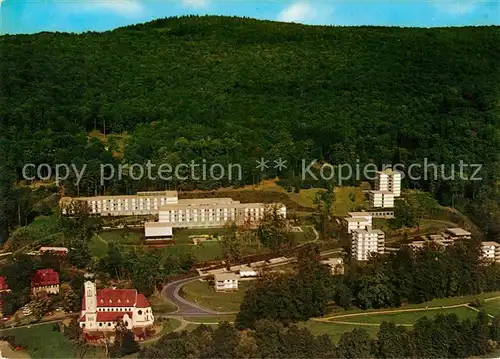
[{"x": 101, "y": 309}]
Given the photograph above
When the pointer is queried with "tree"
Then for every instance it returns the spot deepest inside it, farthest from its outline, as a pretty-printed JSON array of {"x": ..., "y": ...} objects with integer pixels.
[
  {"x": 354, "y": 344},
  {"x": 70, "y": 301},
  {"x": 324, "y": 205},
  {"x": 125, "y": 343},
  {"x": 274, "y": 230},
  {"x": 392, "y": 342},
  {"x": 40, "y": 304},
  {"x": 78, "y": 227},
  {"x": 232, "y": 246}
]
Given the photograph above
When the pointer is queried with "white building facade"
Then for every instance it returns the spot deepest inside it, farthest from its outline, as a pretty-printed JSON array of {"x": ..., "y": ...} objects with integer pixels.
[
  {"x": 143, "y": 203},
  {"x": 226, "y": 282},
  {"x": 366, "y": 241},
  {"x": 175, "y": 213},
  {"x": 358, "y": 220},
  {"x": 387, "y": 188},
  {"x": 491, "y": 251}
]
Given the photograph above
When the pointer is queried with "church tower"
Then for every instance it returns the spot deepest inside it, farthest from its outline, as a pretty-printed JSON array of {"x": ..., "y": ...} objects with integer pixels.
[{"x": 90, "y": 301}]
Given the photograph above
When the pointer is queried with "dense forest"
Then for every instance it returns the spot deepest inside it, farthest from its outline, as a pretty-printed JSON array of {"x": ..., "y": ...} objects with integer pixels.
[{"x": 232, "y": 90}]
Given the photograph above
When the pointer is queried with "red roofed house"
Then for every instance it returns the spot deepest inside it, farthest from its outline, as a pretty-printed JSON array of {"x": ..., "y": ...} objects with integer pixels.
[
  {"x": 45, "y": 280},
  {"x": 101, "y": 309}
]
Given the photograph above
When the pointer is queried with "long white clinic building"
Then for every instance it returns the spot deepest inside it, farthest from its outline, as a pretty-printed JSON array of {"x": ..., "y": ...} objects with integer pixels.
[
  {"x": 142, "y": 203},
  {"x": 173, "y": 212}
]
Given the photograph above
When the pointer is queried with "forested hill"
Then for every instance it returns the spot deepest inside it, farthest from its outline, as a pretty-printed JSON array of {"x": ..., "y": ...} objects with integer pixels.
[{"x": 232, "y": 89}]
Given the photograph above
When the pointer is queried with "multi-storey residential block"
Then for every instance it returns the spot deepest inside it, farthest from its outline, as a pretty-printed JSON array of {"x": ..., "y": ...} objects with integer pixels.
[
  {"x": 381, "y": 199},
  {"x": 358, "y": 220},
  {"x": 387, "y": 187},
  {"x": 366, "y": 241},
  {"x": 491, "y": 251}
]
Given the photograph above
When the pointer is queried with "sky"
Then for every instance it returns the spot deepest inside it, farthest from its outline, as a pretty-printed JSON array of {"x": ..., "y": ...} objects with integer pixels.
[{"x": 31, "y": 16}]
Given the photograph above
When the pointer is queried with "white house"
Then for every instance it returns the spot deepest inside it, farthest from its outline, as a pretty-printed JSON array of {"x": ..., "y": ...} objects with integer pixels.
[
  {"x": 101, "y": 309},
  {"x": 226, "y": 282}
]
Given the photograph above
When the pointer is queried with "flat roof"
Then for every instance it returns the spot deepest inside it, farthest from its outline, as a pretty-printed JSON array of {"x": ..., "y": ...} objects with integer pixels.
[
  {"x": 246, "y": 268},
  {"x": 368, "y": 230},
  {"x": 490, "y": 243},
  {"x": 359, "y": 214},
  {"x": 389, "y": 171},
  {"x": 212, "y": 204},
  {"x": 157, "y": 225},
  {"x": 458, "y": 231},
  {"x": 138, "y": 195},
  {"x": 226, "y": 276},
  {"x": 350, "y": 219}
]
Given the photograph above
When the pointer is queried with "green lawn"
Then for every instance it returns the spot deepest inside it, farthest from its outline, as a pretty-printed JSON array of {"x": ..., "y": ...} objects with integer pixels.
[
  {"x": 205, "y": 295},
  {"x": 40, "y": 341},
  {"x": 123, "y": 236},
  {"x": 169, "y": 325},
  {"x": 408, "y": 317},
  {"x": 182, "y": 236},
  {"x": 335, "y": 331},
  {"x": 492, "y": 307},
  {"x": 347, "y": 199},
  {"x": 433, "y": 303},
  {"x": 160, "y": 305},
  {"x": 98, "y": 246}
]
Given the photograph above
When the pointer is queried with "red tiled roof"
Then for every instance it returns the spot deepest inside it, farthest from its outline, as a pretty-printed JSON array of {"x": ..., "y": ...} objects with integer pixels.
[
  {"x": 44, "y": 277},
  {"x": 83, "y": 318},
  {"x": 111, "y": 316},
  {"x": 142, "y": 302},
  {"x": 116, "y": 297},
  {"x": 3, "y": 284}
]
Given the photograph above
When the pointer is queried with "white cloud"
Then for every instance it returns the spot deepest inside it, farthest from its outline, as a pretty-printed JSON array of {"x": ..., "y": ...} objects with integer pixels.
[
  {"x": 197, "y": 4},
  {"x": 455, "y": 7},
  {"x": 304, "y": 12},
  {"x": 121, "y": 7}
]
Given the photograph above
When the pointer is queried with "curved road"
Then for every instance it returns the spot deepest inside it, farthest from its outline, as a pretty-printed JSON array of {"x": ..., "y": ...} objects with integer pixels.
[{"x": 185, "y": 307}]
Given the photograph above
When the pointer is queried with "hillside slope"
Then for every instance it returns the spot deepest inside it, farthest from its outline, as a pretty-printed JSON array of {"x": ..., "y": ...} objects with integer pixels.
[{"x": 232, "y": 90}]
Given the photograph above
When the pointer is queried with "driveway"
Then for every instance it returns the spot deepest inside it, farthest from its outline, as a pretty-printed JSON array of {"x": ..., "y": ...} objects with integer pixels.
[{"x": 185, "y": 307}]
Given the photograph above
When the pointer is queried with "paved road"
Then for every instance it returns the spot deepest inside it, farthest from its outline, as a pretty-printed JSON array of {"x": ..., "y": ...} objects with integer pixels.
[{"x": 186, "y": 308}]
